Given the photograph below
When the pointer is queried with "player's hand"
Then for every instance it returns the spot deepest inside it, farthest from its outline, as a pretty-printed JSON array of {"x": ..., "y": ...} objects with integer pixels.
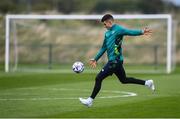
[
  {"x": 147, "y": 31},
  {"x": 93, "y": 63}
]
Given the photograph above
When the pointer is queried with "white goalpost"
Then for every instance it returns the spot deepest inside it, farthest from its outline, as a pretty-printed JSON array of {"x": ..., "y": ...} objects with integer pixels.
[{"x": 10, "y": 18}]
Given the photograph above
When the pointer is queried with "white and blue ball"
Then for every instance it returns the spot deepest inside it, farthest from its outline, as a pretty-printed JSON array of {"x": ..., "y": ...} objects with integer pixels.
[{"x": 78, "y": 67}]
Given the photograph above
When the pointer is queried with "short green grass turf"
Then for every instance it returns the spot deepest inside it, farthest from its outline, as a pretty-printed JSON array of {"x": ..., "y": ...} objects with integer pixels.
[{"x": 164, "y": 102}]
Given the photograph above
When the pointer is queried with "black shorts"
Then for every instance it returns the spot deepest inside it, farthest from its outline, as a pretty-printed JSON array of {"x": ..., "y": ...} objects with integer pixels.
[{"x": 112, "y": 67}]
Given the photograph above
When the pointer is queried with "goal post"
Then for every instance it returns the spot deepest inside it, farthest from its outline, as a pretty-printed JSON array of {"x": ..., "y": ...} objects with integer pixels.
[{"x": 166, "y": 17}]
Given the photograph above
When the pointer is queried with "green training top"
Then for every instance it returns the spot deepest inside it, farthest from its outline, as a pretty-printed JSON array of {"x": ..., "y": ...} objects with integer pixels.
[{"x": 113, "y": 40}]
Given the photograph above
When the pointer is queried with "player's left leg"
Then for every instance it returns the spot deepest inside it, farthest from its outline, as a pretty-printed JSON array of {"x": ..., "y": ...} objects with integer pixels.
[{"x": 121, "y": 74}]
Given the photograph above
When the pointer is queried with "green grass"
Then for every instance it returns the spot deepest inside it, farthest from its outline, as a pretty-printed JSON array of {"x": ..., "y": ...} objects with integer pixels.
[{"x": 38, "y": 95}]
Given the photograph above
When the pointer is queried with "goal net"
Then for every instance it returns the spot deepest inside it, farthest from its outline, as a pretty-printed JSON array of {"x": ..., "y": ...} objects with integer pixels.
[{"x": 54, "y": 42}]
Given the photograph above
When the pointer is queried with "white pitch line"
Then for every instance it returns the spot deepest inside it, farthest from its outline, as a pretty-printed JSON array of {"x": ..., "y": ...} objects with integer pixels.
[{"x": 119, "y": 94}]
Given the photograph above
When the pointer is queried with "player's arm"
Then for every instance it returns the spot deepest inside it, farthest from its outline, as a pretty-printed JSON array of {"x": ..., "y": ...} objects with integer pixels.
[
  {"x": 134, "y": 32},
  {"x": 93, "y": 62},
  {"x": 147, "y": 31}
]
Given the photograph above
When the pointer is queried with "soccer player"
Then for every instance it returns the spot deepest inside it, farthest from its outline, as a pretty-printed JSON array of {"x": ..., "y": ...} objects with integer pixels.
[{"x": 112, "y": 44}]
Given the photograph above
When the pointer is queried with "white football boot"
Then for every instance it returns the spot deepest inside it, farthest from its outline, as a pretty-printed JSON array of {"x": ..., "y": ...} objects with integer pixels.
[
  {"x": 87, "y": 102},
  {"x": 150, "y": 84}
]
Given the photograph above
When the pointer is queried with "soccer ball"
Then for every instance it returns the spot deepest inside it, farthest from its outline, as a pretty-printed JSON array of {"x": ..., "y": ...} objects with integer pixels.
[{"x": 78, "y": 67}]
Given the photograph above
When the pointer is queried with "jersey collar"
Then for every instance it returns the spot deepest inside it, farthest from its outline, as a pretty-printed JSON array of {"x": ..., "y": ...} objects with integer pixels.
[{"x": 112, "y": 27}]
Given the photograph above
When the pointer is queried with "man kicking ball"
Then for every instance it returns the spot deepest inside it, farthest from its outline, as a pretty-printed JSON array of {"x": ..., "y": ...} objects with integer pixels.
[{"x": 112, "y": 44}]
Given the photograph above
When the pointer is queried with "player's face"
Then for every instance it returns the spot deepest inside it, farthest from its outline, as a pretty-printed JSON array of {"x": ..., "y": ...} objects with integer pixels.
[{"x": 108, "y": 24}]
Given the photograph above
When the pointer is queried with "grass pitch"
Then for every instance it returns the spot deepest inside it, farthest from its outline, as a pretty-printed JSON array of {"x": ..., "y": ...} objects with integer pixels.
[{"x": 56, "y": 95}]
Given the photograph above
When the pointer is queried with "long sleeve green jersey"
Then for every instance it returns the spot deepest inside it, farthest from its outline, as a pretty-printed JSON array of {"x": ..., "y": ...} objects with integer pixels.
[{"x": 113, "y": 39}]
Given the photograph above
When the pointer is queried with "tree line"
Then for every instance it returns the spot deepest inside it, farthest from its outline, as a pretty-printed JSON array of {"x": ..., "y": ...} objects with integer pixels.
[{"x": 86, "y": 6}]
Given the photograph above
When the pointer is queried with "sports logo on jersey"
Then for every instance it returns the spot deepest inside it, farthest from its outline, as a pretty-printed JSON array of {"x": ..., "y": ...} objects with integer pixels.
[{"x": 112, "y": 32}]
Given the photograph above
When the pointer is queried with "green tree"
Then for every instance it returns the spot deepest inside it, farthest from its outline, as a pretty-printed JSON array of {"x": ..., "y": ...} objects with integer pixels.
[
  {"x": 6, "y": 6},
  {"x": 117, "y": 6},
  {"x": 151, "y": 7}
]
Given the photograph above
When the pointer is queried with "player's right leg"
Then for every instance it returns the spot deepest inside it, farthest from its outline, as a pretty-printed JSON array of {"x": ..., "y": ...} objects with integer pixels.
[
  {"x": 87, "y": 102},
  {"x": 106, "y": 71}
]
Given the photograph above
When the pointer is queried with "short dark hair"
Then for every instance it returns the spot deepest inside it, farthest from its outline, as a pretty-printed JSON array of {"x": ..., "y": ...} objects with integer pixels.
[{"x": 107, "y": 17}]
